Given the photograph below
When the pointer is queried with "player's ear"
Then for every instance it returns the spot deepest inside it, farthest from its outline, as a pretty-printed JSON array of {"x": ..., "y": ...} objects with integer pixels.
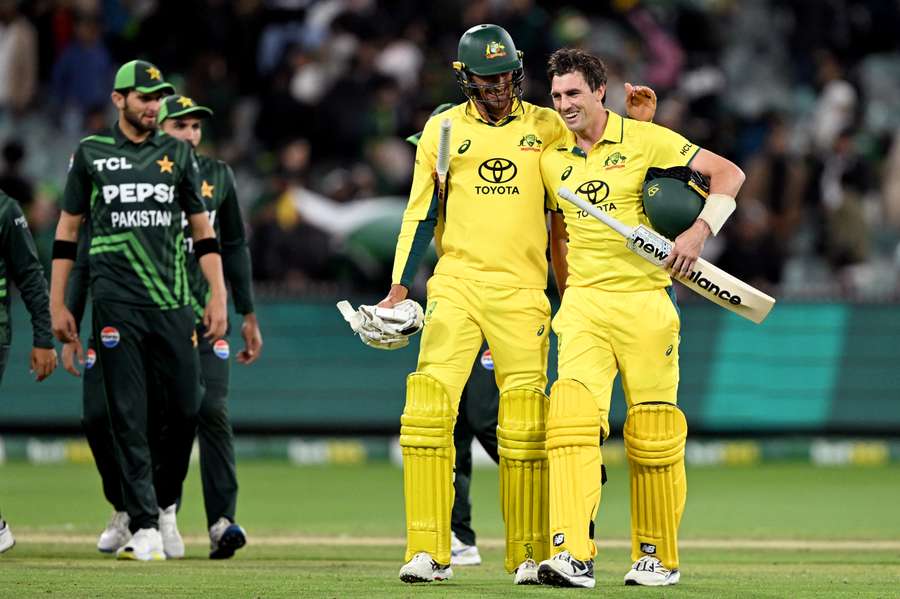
[
  {"x": 600, "y": 92},
  {"x": 118, "y": 99}
]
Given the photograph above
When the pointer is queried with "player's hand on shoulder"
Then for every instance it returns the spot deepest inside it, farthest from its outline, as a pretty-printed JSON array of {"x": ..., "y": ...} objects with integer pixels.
[
  {"x": 687, "y": 248},
  {"x": 640, "y": 102},
  {"x": 43, "y": 362},
  {"x": 70, "y": 352}
]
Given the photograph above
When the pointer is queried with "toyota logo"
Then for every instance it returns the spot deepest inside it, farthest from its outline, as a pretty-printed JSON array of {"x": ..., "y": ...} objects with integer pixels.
[
  {"x": 497, "y": 170},
  {"x": 594, "y": 191}
]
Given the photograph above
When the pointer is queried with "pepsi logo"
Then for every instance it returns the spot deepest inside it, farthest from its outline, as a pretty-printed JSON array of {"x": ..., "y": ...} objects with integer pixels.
[
  {"x": 109, "y": 336},
  {"x": 90, "y": 358},
  {"x": 221, "y": 349},
  {"x": 487, "y": 360}
]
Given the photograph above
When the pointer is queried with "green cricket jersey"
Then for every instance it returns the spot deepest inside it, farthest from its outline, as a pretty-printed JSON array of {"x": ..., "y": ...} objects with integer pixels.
[
  {"x": 19, "y": 262},
  {"x": 135, "y": 194},
  {"x": 217, "y": 188}
]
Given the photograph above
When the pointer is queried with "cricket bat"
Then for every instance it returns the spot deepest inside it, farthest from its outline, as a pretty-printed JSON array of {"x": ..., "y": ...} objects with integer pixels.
[
  {"x": 706, "y": 279},
  {"x": 443, "y": 157}
]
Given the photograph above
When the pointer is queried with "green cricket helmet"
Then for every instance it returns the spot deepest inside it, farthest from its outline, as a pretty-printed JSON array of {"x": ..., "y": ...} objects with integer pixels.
[
  {"x": 673, "y": 197},
  {"x": 414, "y": 139},
  {"x": 487, "y": 50}
]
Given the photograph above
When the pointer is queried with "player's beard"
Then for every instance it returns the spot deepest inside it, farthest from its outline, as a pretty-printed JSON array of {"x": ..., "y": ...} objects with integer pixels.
[
  {"x": 134, "y": 119},
  {"x": 497, "y": 101}
]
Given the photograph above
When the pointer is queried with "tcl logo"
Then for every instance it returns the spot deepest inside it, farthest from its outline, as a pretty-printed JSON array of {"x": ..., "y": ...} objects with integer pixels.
[{"x": 113, "y": 163}]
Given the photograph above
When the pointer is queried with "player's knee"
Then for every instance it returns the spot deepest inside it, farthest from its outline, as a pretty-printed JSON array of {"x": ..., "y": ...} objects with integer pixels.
[
  {"x": 574, "y": 419},
  {"x": 522, "y": 424},
  {"x": 655, "y": 434},
  {"x": 428, "y": 415}
]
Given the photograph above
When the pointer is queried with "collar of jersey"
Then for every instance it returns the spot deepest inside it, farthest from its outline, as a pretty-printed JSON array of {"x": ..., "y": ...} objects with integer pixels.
[
  {"x": 613, "y": 133},
  {"x": 506, "y": 120},
  {"x": 121, "y": 140}
]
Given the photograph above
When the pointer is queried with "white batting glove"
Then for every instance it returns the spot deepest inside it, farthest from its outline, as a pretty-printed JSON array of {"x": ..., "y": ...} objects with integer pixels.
[{"x": 384, "y": 328}]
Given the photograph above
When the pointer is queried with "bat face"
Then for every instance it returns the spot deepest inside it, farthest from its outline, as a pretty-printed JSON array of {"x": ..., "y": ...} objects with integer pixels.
[{"x": 706, "y": 279}]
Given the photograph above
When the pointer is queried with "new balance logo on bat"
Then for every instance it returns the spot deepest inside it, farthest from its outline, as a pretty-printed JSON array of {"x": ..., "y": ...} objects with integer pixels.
[
  {"x": 713, "y": 289},
  {"x": 656, "y": 249},
  {"x": 657, "y": 254}
]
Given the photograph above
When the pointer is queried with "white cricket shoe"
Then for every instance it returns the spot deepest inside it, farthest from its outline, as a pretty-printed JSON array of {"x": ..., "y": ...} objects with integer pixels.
[
  {"x": 146, "y": 545},
  {"x": 173, "y": 545},
  {"x": 563, "y": 570},
  {"x": 7, "y": 540},
  {"x": 462, "y": 554},
  {"x": 421, "y": 568},
  {"x": 116, "y": 533},
  {"x": 527, "y": 573},
  {"x": 649, "y": 572},
  {"x": 225, "y": 537}
]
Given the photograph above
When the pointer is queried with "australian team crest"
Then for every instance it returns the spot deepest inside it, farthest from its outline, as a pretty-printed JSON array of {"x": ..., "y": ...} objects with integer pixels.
[
  {"x": 494, "y": 50},
  {"x": 614, "y": 160},
  {"x": 530, "y": 143}
]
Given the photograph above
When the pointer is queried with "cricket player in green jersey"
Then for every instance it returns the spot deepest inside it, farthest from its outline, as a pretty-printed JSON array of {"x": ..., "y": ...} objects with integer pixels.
[
  {"x": 134, "y": 185},
  {"x": 19, "y": 262},
  {"x": 181, "y": 117}
]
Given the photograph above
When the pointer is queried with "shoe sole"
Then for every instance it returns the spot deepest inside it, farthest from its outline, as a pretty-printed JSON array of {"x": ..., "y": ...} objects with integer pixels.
[
  {"x": 130, "y": 556},
  {"x": 550, "y": 577},
  {"x": 528, "y": 581},
  {"x": 231, "y": 541},
  {"x": 415, "y": 578},
  {"x": 634, "y": 583},
  {"x": 670, "y": 581}
]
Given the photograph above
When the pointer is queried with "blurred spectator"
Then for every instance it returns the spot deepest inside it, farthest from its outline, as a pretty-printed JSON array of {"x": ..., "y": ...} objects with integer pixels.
[
  {"x": 288, "y": 242},
  {"x": 18, "y": 59},
  {"x": 773, "y": 196},
  {"x": 12, "y": 179},
  {"x": 836, "y": 107},
  {"x": 83, "y": 75}
]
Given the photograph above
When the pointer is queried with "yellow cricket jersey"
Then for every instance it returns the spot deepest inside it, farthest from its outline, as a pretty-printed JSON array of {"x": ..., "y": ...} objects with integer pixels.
[
  {"x": 491, "y": 227},
  {"x": 610, "y": 177}
]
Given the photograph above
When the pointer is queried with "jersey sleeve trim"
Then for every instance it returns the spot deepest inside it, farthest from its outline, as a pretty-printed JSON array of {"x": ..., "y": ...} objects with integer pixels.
[{"x": 420, "y": 242}]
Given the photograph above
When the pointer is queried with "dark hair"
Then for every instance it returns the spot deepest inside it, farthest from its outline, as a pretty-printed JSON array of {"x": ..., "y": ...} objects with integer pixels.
[{"x": 570, "y": 60}]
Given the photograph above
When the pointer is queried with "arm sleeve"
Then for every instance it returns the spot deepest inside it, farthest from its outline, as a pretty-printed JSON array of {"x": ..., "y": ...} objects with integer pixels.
[
  {"x": 26, "y": 271},
  {"x": 420, "y": 216},
  {"x": 79, "y": 186},
  {"x": 669, "y": 148},
  {"x": 235, "y": 253},
  {"x": 79, "y": 278},
  {"x": 188, "y": 191}
]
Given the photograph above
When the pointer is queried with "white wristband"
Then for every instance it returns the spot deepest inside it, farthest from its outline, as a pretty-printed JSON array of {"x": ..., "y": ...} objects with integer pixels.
[{"x": 716, "y": 210}]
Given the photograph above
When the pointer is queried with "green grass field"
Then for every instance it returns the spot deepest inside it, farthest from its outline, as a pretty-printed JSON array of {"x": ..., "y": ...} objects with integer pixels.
[{"x": 337, "y": 531}]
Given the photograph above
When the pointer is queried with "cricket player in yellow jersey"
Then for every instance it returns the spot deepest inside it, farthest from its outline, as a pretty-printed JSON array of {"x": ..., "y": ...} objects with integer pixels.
[
  {"x": 618, "y": 315},
  {"x": 489, "y": 283}
]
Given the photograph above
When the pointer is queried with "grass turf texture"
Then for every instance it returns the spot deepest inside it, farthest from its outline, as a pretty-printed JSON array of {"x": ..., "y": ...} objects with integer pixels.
[{"x": 57, "y": 510}]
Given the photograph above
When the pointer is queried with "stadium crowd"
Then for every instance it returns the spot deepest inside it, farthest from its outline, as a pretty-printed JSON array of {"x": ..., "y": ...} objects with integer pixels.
[{"x": 313, "y": 101}]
